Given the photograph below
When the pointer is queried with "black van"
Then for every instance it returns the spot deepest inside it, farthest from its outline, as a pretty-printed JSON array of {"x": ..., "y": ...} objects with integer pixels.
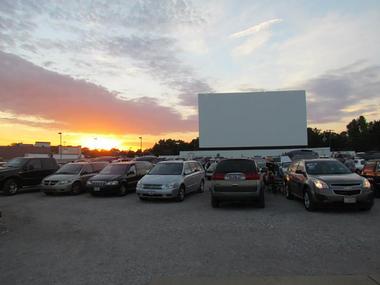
[{"x": 23, "y": 172}]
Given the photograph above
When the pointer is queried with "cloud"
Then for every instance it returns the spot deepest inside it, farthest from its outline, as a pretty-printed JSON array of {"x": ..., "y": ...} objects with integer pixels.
[
  {"x": 156, "y": 55},
  {"x": 76, "y": 105},
  {"x": 345, "y": 92},
  {"x": 256, "y": 37},
  {"x": 255, "y": 29}
]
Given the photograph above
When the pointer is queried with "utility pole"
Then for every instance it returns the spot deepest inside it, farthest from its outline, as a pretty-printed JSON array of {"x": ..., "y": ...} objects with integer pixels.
[{"x": 60, "y": 145}]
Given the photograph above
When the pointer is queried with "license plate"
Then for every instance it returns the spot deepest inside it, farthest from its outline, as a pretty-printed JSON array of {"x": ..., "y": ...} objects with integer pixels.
[
  {"x": 96, "y": 188},
  {"x": 349, "y": 200},
  {"x": 235, "y": 177}
]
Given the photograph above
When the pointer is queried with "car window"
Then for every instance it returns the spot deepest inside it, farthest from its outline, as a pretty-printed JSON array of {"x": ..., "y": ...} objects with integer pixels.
[
  {"x": 87, "y": 169},
  {"x": 164, "y": 168},
  {"x": 378, "y": 167},
  {"x": 70, "y": 168},
  {"x": 35, "y": 164},
  {"x": 132, "y": 169},
  {"x": 236, "y": 165},
  {"x": 187, "y": 168},
  {"x": 115, "y": 169},
  {"x": 49, "y": 163}
]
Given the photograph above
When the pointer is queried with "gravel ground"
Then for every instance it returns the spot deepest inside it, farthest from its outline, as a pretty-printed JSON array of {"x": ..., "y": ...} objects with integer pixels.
[{"x": 121, "y": 240}]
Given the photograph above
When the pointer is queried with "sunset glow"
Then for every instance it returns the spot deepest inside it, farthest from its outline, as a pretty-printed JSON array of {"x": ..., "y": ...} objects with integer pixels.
[{"x": 100, "y": 143}]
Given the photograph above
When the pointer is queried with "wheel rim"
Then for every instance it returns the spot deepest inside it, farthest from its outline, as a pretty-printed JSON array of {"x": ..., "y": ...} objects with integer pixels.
[
  {"x": 181, "y": 194},
  {"x": 13, "y": 188},
  {"x": 306, "y": 199}
]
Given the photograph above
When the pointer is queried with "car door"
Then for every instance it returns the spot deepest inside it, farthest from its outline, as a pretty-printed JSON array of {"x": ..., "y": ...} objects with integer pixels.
[
  {"x": 86, "y": 173},
  {"x": 188, "y": 179},
  {"x": 291, "y": 176},
  {"x": 132, "y": 177},
  {"x": 299, "y": 180},
  {"x": 32, "y": 173}
]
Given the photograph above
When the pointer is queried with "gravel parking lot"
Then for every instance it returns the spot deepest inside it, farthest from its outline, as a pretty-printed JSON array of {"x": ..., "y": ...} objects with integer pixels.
[{"x": 121, "y": 240}]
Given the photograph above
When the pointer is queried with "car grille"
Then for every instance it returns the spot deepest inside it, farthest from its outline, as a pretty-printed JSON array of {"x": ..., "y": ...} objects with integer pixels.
[
  {"x": 98, "y": 183},
  {"x": 152, "y": 186},
  {"x": 50, "y": 182},
  {"x": 345, "y": 185},
  {"x": 347, "y": 192}
]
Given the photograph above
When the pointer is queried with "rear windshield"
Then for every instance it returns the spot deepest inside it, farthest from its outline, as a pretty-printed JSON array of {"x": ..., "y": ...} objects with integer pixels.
[{"x": 236, "y": 165}]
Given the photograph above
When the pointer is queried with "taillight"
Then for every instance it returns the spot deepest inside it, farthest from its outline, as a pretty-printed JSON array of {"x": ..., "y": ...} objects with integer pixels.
[
  {"x": 252, "y": 176},
  {"x": 218, "y": 176}
]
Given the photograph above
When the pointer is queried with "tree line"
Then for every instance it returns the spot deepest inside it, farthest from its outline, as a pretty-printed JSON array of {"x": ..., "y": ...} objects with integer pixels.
[{"x": 360, "y": 135}]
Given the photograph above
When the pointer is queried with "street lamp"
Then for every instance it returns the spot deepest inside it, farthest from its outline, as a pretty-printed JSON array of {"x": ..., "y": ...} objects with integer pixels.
[
  {"x": 60, "y": 145},
  {"x": 140, "y": 144}
]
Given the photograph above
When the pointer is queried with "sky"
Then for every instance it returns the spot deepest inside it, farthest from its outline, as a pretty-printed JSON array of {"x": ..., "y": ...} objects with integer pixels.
[{"x": 105, "y": 73}]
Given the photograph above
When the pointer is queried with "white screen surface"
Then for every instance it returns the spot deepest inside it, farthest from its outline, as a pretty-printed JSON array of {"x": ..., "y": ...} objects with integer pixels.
[{"x": 254, "y": 119}]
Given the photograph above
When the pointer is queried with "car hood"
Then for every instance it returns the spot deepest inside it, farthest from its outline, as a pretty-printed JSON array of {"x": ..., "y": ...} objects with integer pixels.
[
  {"x": 103, "y": 177},
  {"x": 161, "y": 179},
  {"x": 4, "y": 170},
  {"x": 61, "y": 177},
  {"x": 340, "y": 178}
]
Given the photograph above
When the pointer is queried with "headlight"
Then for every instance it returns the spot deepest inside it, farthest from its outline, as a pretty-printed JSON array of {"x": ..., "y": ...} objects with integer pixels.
[
  {"x": 65, "y": 182},
  {"x": 169, "y": 186},
  {"x": 320, "y": 184},
  {"x": 115, "y": 182},
  {"x": 367, "y": 184}
]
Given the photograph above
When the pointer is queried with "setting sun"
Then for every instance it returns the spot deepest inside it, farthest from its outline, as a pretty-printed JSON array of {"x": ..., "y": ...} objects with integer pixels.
[{"x": 101, "y": 143}]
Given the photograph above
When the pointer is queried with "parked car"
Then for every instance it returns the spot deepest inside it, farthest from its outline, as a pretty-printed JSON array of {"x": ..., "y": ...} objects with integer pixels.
[
  {"x": 371, "y": 171},
  {"x": 22, "y": 173},
  {"x": 324, "y": 181},
  {"x": 119, "y": 178},
  {"x": 71, "y": 178},
  {"x": 172, "y": 179},
  {"x": 236, "y": 179},
  {"x": 150, "y": 158},
  {"x": 302, "y": 154}
]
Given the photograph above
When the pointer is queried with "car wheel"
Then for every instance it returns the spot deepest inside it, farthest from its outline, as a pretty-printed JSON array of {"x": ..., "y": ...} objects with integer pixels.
[
  {"x": 215, "y": 202},
  {"x": 11, "y": 187},
  {"x": 202, "y": 187},
  {"x": 123, "y": 190},
  {"x": 181, "y": 194},
  {"x": 288, "y": 193},
  {"x": 308, "y": 201},
  {"x": 261, "y": 202},
  {"x": 76, "y": 188}
]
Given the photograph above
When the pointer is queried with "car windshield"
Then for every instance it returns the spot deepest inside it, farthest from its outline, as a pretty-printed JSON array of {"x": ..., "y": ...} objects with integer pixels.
[
  {"x": 16, "y": 162},
  {"x": 236, "y": 165},
  {"x": 71, "y": 168},
  {"x": 115, "y": 169},
  {"x": 167, "y": 169},
  {"x": 326, "y": 168}
]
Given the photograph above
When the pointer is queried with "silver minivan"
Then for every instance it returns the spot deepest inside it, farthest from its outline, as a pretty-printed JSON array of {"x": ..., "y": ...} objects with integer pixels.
[{"x": 172, "y": 179}]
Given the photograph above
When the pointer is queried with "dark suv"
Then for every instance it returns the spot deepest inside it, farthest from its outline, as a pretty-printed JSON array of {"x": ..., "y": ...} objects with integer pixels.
[
  {"x": 371, "y": 171},
  {"x": 118, "y": 178},
  {"x": 23, "y": 172}
]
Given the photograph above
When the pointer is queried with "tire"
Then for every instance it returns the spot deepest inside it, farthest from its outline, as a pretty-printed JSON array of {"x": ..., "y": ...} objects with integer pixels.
[
  {"x": 202, "y": 187},
  {"x": 288, "y": 193},
  {"x": 181, "y": 194},
  {"x": 215, "y": 202},
  {"x": 261, "y": 201},
  {"x": 123, "y": 190},
  {"x": 76, "y": 188},
  {"x": 11, "y": 186},
  {"x": 308, "y": 201}
]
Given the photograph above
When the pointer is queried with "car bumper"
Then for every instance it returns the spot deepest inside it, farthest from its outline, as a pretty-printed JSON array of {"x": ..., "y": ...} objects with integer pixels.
[
  {"x": 64, "y": 188},
  {"x": 235, "y": 195},
  {"x": 159, "y": 194},
  {"x": 111, "y": 189},
  {"x": 366, "y": 197}
]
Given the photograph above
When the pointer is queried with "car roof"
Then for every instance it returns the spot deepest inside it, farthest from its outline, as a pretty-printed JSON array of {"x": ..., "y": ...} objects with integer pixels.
[
  {"x": 317, "y": 159},
  {"x": 173, "y": 161}
]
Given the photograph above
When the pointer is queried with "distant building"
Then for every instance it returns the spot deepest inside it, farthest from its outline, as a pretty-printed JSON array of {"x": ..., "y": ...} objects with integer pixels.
[
  {"x": 42, "y": 144},
  {"x": 19, "y": 150}
]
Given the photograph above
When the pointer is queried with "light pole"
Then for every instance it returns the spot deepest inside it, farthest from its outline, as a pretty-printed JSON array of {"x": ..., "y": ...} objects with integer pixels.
[
  {"x": 60, "y": 145},
  {"x": 140, "y": 144}
]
